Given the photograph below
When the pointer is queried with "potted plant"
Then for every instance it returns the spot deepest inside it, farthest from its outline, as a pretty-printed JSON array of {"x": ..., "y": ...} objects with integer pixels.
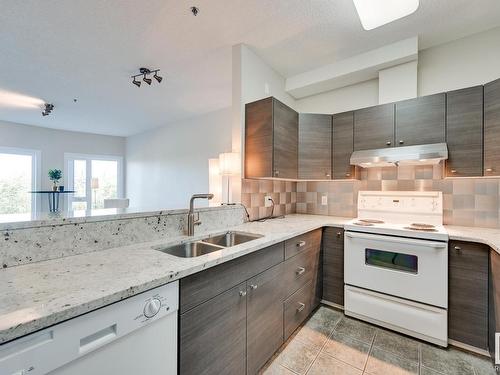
[{"x": 55, "y": 175}]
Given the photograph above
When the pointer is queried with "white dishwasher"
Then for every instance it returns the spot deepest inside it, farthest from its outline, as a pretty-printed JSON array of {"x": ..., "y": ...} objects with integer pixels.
[{"x": 135, "y": 336}]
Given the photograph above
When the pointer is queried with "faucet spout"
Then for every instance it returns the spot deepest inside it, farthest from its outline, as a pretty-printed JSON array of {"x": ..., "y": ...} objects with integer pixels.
[{"x": 191, "y": 220}]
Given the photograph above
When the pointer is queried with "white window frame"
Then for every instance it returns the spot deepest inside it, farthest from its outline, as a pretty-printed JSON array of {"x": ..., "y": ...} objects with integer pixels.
[
  {"x": 36, "y": 160},
  {"x": 69, "y": 158}
]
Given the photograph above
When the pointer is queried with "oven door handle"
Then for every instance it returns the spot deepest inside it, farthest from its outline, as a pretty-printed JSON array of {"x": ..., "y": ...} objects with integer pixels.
[{"x": 416, "y": 242}]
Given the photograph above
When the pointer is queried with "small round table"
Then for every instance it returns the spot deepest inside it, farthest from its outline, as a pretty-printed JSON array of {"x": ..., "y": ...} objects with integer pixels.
[{"x": 53, "y": 197}]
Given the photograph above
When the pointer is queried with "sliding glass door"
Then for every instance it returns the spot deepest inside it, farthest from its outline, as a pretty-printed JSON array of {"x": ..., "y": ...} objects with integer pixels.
[{"x": 93, "y": 178}]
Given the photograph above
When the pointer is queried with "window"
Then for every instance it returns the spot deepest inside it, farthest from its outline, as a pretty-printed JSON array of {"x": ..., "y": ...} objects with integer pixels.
[
  {"x": 19, "y": 171},
  {"x": 93, "y": 178}
]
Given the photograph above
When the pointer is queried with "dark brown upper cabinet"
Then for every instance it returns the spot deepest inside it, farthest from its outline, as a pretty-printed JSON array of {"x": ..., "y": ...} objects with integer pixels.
[
  {"x": 315, "y": 146},
  {"x": 491, "y": 162},
  {"x": 271, "y": 140},
  {"x": 421, "y": 120},
  {"x": 374, "y": 127},
  {"x": 464, "y": 132},
  {"x": 343, "y": 131}
]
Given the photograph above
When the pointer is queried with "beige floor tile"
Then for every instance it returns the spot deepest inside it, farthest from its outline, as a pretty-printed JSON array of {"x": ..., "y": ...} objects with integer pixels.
[
  {"x": 298, "y": 356},
  {"x": 428, "y": 371},
  {"x": 326, "y": 365},
  {"x": 397, "y": 344},
  {"x": 319, "y": 327},
  {"x": 276, "y": 369},
  {"x": 348, "y": 349},
  {"x": 381, "y": 362}
]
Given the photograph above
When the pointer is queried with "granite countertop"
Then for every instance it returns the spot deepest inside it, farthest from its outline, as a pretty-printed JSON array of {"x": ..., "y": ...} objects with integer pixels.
[{"x": 38, "y": 295}]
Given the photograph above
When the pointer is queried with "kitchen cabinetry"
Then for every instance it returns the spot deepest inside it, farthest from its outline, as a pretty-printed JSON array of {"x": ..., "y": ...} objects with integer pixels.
[
  {"x": 421, "y": 120},
  {"x": 213, "y": 335},
  {"x": 343, "y": 143},
  {"x": 271, "y": 140},
  {"x": 333, "y": 265},
  {"x": 315, "y": 146},
  {"x": 493, "y": 300},
  {"x": 374, "y": 127},
  {"x": 464, "y": 132},
  {"x": 235, "y": 316},
  {"x": 468, "y": 293},
  {"x": 264, "y": 317},
  {"x": 492, "y": 128}
]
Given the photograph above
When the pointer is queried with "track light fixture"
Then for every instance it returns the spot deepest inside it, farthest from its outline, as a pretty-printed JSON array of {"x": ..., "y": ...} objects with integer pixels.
[
  {"x": 146, "y": 73},
  {"x": 47, "y": 108}
]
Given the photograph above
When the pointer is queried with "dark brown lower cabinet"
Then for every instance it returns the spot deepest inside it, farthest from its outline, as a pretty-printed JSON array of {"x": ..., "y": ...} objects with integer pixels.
[
  {"x": 213, "y": 335},
  {"x": 298, "y": 306},
  {"x": 333, "y": 265},
  {"x": 468, "y": 293},
  {"x": 264, "y": 317},
  {"x": 494, "y": 300}
]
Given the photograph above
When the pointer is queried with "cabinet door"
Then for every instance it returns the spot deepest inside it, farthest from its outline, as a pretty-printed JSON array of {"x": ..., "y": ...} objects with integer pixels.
[
  {"x": 212, "y": 337},
  {"x": 264, "y": 317},
  {"x": 259, "y": 138},
  {"x": 315, "y": 146},
  {"x": 464, "y": 132},
  {"x": 333, "y": 265},
  {"x": 468, "y": 293},
  {"x": 494, "y": 300},
  {"x": 374, "y": 127},
  {"x": 492, "y": 128},
  {"x": 343, "y": 131},
  {"x": 421, "y": 120},
  {"x": 285, "y": 139},
  {"x": 206, "y": 284}
]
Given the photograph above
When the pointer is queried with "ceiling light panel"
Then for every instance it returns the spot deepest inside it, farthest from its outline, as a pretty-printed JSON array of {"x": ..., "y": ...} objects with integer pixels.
[{"x": 375, "y": 13}]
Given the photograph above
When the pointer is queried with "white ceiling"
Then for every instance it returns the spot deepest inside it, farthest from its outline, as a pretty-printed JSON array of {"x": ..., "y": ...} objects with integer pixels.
[{"x": 58, "y": 50}]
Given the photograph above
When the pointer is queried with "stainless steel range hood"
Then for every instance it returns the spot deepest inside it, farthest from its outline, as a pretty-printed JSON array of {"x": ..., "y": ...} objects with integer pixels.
[{"x": 407, "y": 155}]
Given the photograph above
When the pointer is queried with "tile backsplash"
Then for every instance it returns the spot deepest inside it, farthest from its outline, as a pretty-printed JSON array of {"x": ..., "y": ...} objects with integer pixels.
[
  {"x": 283, "y": 193},
  {"x": 466, "y": 201}
]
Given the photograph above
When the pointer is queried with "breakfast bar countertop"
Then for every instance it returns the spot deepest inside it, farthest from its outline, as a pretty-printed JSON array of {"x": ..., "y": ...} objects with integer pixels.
[{"x": 38, "y": 295}]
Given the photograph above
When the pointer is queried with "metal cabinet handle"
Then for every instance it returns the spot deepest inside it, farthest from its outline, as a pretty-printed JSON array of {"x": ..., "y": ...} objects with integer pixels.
[
  {"x": 348, "y": 175},
  {"x": 301, "y": 244},
  {"x": 301, "y": 307},
  {"x": 253, "y": 286},
  {"x": 327, "y": 174},
  {"x": 243, "y": 293},
  {"x": 276, "y": 173},
  {"x": 388, "y": 143},
  {"x": 300, "y": 271},
  {"x": 457, "y": 248},
  {"x": 401, "y": 142},
  {"x": 339, "y": 234},
  {"x": 489, "y": 169},
  {"x": 453, "y": 171}
]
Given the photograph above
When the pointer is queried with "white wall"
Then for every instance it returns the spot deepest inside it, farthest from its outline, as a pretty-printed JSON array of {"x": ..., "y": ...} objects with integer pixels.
[
  {"x": 364, "y": 94},
  {"x": 398, "y": 83},
  {"x": 54, "y": 143},
  {"x": 166, "y": 166},
  {"x": 466, "y": 62}
]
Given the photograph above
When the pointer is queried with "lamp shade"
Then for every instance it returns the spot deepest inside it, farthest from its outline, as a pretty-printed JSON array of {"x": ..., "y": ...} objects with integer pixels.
[
  {"x": 229, "y": 163},
  {"x": 94, "y": 183}
]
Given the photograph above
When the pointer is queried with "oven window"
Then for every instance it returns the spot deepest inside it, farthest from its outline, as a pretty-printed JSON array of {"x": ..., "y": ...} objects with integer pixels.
[{"x": 394, "y": 261}]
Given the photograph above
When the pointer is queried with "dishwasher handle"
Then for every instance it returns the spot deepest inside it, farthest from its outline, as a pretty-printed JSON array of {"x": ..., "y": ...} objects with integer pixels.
[{"x": 405, "y": 241}]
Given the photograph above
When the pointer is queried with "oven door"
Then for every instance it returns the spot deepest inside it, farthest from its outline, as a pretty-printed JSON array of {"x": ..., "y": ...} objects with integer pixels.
[{"x": 404, "y": 267}]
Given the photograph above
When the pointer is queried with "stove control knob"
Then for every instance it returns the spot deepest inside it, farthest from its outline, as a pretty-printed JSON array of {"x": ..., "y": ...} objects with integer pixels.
[{"x": 151, "y": 308}]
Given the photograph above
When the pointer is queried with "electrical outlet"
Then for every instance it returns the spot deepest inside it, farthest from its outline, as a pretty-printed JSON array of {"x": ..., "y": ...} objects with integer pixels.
[
  {"x": 267, "y": 201},
  {"x": 324, "y": 200}
]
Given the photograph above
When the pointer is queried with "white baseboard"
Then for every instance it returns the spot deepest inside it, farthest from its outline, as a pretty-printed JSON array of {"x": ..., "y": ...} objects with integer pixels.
[{"x": 469, "y": 348}]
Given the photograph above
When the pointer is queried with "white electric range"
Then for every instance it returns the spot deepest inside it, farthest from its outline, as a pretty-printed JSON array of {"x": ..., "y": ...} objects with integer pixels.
[{"x": 396, "y": 263}]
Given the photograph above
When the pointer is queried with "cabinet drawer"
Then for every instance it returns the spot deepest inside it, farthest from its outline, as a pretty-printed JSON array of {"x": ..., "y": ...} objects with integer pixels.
[
  {"x": 298, "y": 307},
  {"x": 302, "y": 243},
  {"x": 300, "y": 269},
  {"x": 200, "y": 287}
]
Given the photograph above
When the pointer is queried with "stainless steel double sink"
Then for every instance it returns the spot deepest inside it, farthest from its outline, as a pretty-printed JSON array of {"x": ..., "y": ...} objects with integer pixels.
[{"x": 208, "y": 244}]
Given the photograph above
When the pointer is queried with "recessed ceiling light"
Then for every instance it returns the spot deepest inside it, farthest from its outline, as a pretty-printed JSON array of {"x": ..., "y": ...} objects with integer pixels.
[{"x": 375, "y": 13}]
